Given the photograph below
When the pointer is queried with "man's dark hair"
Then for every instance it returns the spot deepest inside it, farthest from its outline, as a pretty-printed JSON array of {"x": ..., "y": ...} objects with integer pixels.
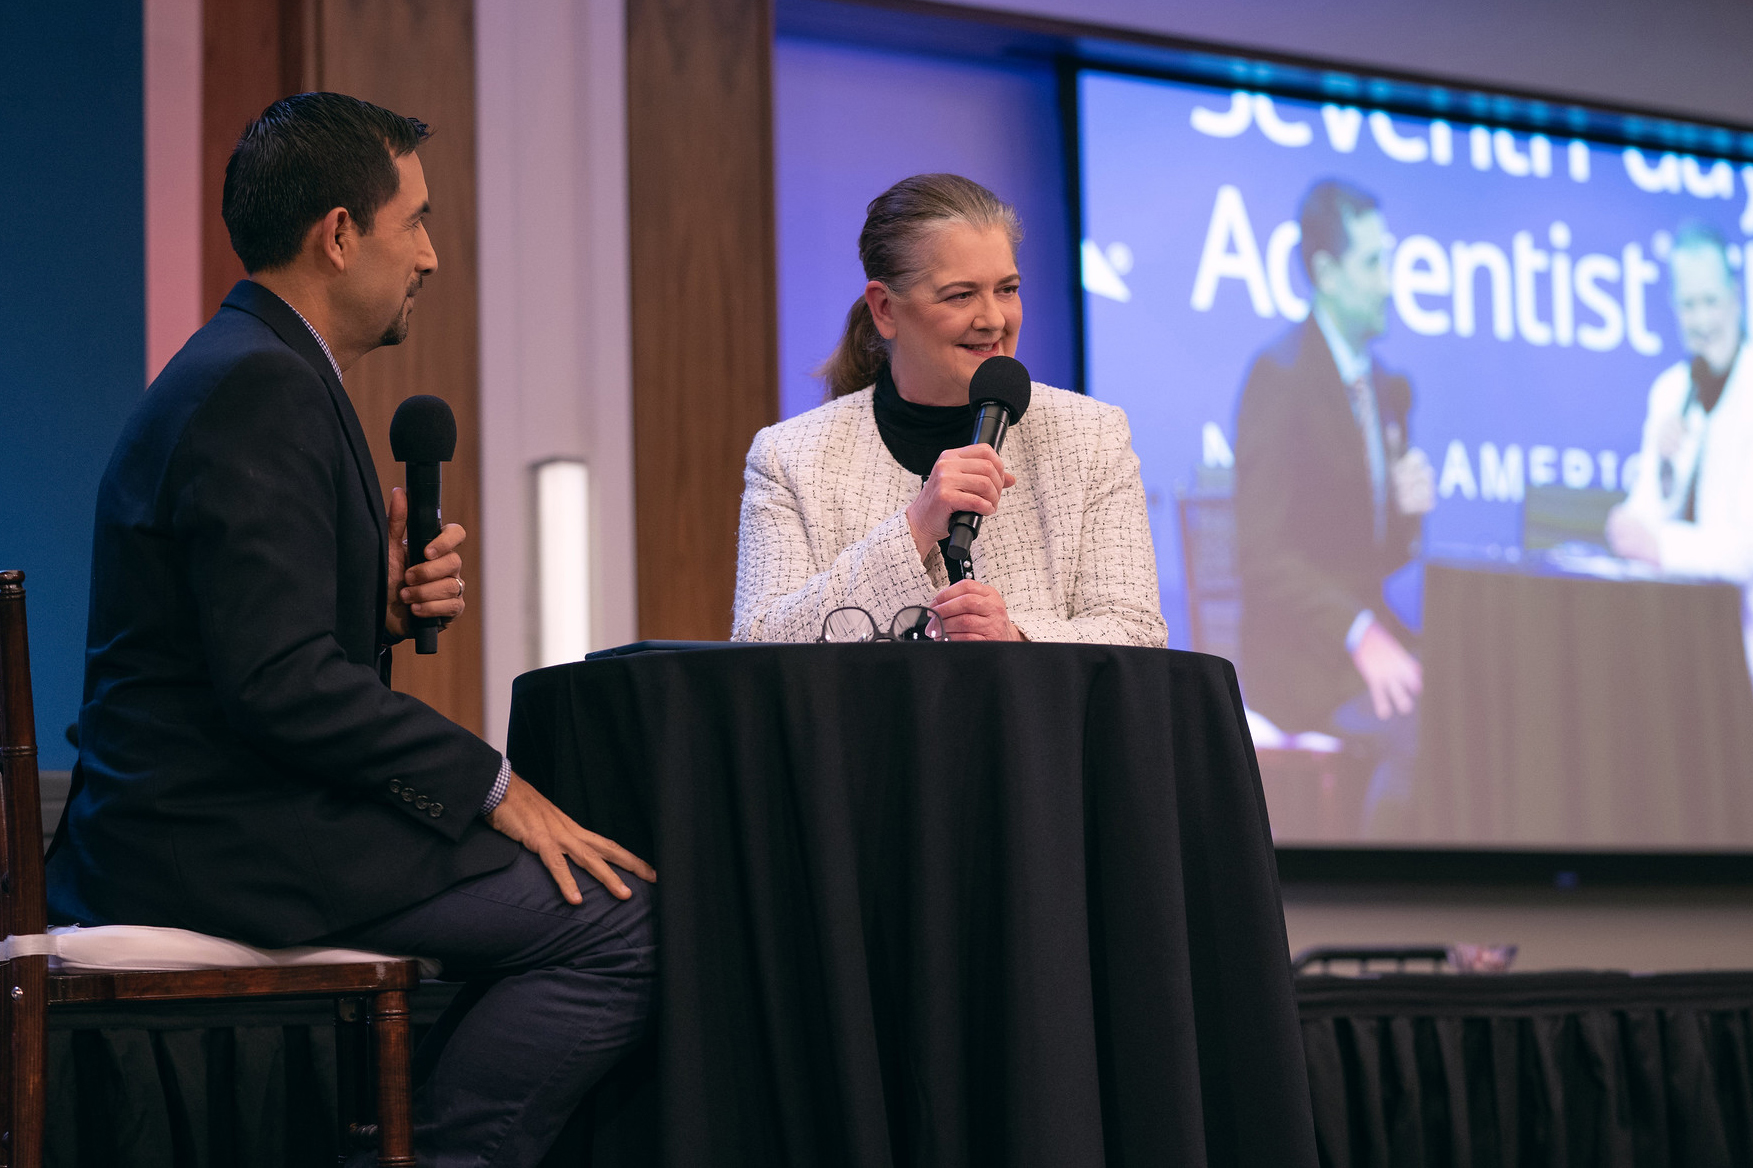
[
  {"x": 1326, "y": 216},
  {"x": 305, "y": 156}
]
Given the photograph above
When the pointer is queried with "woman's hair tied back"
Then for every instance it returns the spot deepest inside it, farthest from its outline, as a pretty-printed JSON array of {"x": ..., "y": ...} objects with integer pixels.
[{"x": 894, "y": 249}]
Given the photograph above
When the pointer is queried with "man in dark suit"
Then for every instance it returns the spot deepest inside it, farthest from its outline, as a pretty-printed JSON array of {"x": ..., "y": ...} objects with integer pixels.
[
  {"x": 244, "y": 768},
  {"x": 1330, "y": 499}
]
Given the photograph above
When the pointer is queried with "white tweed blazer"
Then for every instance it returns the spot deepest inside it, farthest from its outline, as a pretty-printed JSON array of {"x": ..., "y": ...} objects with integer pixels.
[{"x": 824, "y": 525}]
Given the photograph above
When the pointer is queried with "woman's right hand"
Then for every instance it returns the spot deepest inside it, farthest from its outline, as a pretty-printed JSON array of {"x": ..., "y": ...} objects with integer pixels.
[{"x": 970, "y": 478}]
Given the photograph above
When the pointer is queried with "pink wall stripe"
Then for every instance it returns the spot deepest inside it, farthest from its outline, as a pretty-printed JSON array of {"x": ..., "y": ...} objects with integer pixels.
[{"x": 173, "y": 177}]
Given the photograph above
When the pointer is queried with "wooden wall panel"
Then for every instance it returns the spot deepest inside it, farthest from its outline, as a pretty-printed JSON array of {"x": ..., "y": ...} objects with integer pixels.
[
  {"x": 253, "y": 52},
  {"x": 705, "y": 307},
  {"x": 416, "y": 57}
]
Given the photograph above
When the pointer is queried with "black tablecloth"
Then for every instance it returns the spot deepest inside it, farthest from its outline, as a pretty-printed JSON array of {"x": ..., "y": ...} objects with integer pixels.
[
  {"x": 938, "y": 904},
  {"x": 1564, "y": 710},
  {"x": 1445, "y": 1071},
  {"x": 1532, "y": 1070}
]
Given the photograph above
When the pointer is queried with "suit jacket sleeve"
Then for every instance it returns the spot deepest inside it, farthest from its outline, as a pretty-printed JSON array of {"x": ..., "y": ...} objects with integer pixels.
[
  {"x": 255, "y": 494},
  {"x": 779, "y": 594},
  {"x": 1280, "y": 576},
  {"x": 1114, "y": 597}
]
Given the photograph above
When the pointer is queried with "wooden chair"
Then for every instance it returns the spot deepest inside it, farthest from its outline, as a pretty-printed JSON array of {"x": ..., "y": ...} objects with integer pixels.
[{"x": 29, "y": 989}]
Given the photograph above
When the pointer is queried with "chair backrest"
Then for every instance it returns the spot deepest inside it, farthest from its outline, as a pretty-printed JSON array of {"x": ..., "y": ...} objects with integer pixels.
[
  {"x": 24, "y": 987},
  {"x": 21, "y": 842}
]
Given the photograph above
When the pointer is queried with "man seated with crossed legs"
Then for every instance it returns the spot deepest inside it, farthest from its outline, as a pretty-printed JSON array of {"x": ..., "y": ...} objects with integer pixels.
[{"x": 245, "y": 769}]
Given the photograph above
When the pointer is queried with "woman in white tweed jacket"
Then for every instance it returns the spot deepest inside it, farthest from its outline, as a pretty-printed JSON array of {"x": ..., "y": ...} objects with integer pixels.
[{"x": 833, "y": 516}]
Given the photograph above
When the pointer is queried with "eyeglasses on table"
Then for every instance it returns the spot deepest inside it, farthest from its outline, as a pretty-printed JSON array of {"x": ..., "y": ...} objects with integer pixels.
[{"x": 849, "y": 625}]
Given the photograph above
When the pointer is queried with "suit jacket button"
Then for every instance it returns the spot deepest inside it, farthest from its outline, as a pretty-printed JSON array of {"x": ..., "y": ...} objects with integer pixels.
[
  {"x": 395, "y": 786},
  {"x": 435, "y": 810},
  {"x": 407, "y": 794},
  {"x": 421, "y": 802}
]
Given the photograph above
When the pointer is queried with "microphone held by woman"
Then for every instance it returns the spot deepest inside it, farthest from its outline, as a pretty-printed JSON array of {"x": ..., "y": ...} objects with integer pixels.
[{"x": 999, "y": 393}]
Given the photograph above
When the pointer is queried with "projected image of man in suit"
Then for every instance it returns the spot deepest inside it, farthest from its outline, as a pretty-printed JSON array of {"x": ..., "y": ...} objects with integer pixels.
[{"x": 1330, "y": 496}]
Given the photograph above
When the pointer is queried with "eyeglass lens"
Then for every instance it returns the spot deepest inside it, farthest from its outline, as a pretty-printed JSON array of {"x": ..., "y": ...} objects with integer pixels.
[
  {"x": 917, "y": 623},
  {"x": 848, "y": 625}
]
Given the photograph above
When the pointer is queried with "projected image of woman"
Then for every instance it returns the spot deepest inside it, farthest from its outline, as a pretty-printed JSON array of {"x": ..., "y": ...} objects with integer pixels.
[
  {"x": 1691, "y": 506},
  {"x": 846, "y": 505}
]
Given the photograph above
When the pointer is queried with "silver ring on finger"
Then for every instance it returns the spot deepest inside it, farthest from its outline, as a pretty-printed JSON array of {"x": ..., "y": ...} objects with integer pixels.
[{"x": 460, "y": 587}]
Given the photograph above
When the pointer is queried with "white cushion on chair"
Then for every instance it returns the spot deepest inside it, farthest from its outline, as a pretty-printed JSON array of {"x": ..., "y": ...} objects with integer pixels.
[
  {"x": 141, "y": 948},
  {"x": 1267, "y": 736}
]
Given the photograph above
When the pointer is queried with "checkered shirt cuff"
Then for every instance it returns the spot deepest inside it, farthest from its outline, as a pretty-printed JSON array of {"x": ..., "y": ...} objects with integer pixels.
[{"x": 499, "y": 786}]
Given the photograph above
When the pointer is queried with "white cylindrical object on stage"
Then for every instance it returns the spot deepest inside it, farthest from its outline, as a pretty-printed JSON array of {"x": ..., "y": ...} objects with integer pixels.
[{"x": 563, "y": 561}]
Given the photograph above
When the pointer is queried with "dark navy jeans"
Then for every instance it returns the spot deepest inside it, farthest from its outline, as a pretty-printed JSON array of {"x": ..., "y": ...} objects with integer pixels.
[{"x": 556, "y": 994}]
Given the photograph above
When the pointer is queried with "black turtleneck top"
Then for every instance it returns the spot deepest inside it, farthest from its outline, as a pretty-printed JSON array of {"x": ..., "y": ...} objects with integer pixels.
[
  {"x": 1707, "y": 389},
  {"x": 1707, "y": 383},
  {"x": 917, "y": 434}
]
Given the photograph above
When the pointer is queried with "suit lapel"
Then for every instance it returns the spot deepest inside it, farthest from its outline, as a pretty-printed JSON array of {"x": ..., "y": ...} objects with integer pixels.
[
  {"x": 279, "y": 316},
  {"x": 1335, "y": 439},
  {"x": 1333, "y": 403},
  {"x": 362, "y": 460},
  {"x": 250, "y": 297}
]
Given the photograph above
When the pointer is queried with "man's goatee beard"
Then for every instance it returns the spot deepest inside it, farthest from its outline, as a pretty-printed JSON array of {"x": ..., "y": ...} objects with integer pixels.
[{"x": 396, "y": 333}]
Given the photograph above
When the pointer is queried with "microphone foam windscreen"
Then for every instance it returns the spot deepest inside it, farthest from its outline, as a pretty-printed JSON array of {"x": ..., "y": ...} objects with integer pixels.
[
  {"x": 423, "y": 430},
  {"x": 1003, "y": 380}
]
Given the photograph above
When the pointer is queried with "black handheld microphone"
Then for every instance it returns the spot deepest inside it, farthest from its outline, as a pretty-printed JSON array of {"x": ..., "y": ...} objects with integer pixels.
[
  {"x": 423, "y": 434},
  {"x": 999, "y": 394}
]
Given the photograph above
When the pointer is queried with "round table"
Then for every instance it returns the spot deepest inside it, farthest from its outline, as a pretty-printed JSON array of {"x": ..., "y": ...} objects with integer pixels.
[{"x": 946, "y": 904}]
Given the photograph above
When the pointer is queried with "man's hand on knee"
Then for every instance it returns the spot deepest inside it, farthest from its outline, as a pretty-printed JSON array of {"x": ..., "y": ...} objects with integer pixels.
[
  {"x": 527, "y": 816},
  {"x": 1394, "y": 676}
]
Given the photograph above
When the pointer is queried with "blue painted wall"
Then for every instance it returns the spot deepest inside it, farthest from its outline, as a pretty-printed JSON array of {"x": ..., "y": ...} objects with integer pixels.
[
  {"x": 72, "y": 309},
  {"x": 849, "y": 122}
]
